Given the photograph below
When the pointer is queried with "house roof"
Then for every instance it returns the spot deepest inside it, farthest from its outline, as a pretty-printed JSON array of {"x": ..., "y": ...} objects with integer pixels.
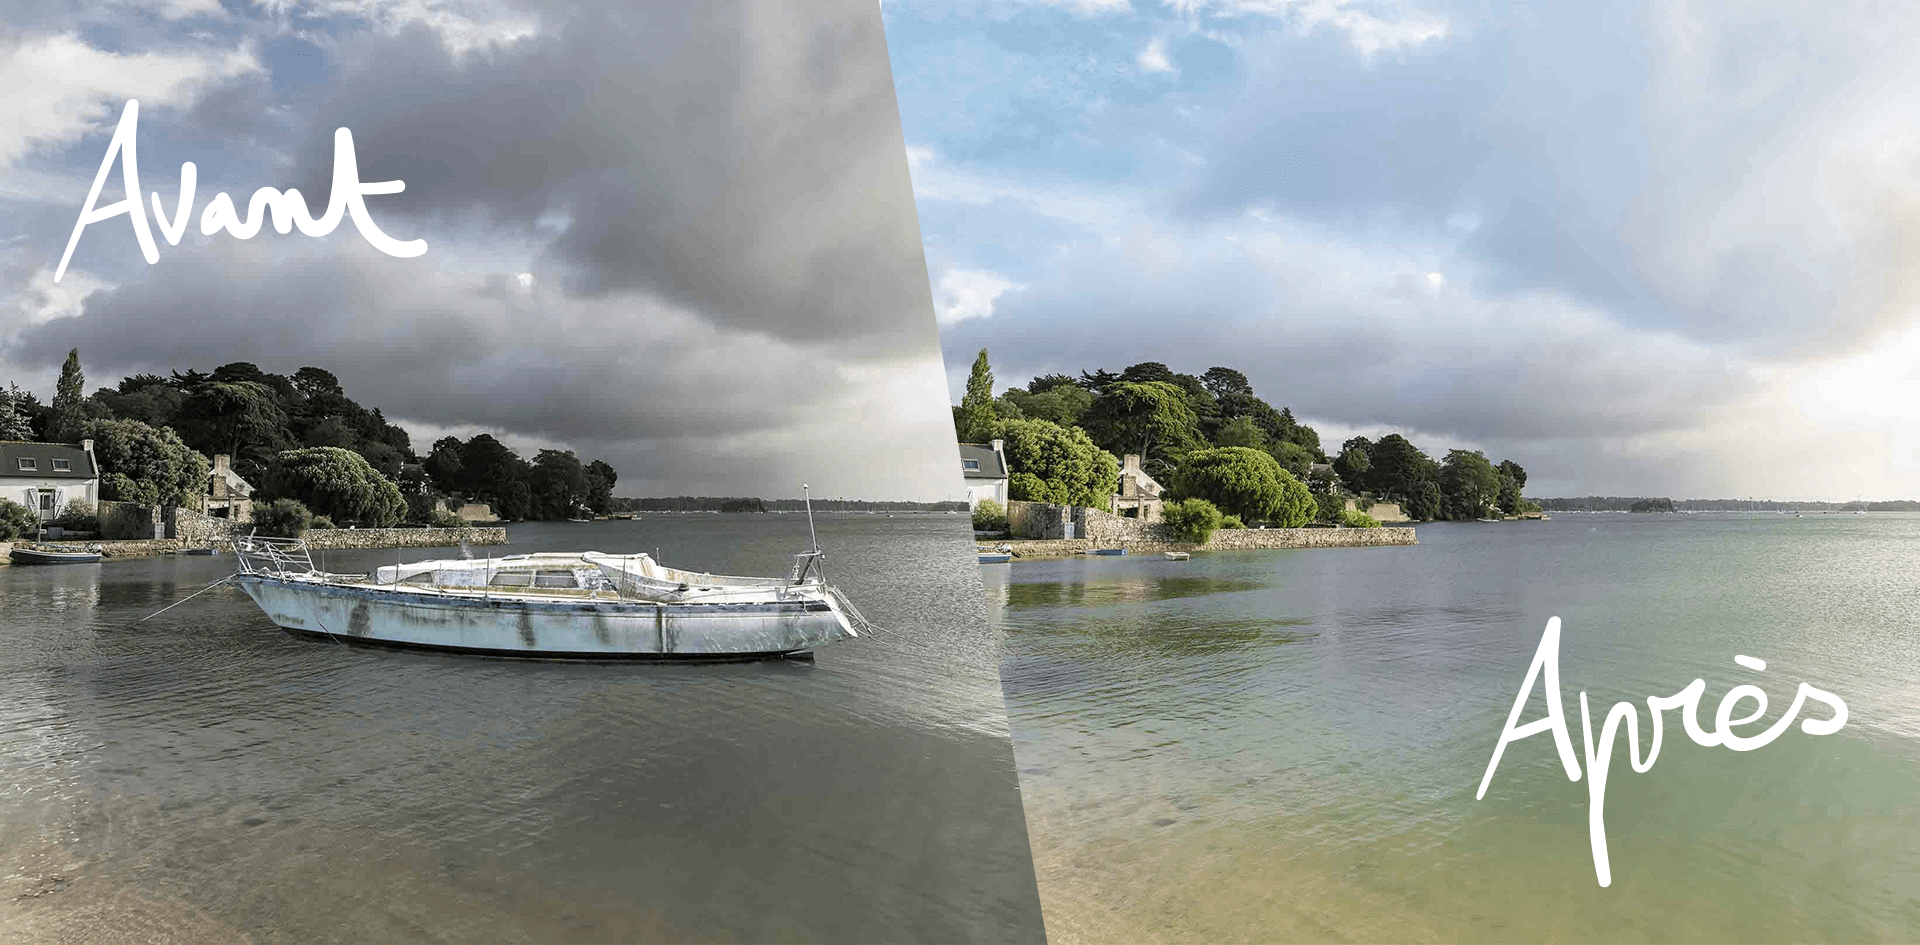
[
  {"x": 235, "y": 484},
  {"x": 989, "y": 465},
  {"x": 79, "y": 465}
]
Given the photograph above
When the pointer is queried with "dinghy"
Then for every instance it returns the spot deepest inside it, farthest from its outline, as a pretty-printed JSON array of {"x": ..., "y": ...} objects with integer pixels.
[{"x": 48, "y": 556}]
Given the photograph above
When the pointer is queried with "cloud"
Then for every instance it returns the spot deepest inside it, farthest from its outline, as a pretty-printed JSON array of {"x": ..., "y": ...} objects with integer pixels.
[
  {"x": 60, "y": 89},
  {"x": 1154, "y": 57},
  {"x": 968, "y": 293}
]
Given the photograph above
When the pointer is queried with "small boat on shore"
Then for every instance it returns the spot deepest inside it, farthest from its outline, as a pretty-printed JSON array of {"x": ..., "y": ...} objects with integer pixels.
[
  {"x": 52, "y": 556},
  {"x": 197, "y": 551},
  {"x": 1107, "y": 551},
  {"x": 1176, "y": 555}
]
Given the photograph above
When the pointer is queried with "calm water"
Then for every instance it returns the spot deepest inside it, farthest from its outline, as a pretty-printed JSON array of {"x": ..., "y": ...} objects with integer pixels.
[
  {"x": 204, "y": 777},
  {"x": 1284, "y": 746}
]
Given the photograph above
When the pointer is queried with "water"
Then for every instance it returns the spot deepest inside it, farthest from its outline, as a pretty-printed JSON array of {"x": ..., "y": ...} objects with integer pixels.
[
  {"x": 1285, "y": 746},
  {"x": 204, "y": 777}
]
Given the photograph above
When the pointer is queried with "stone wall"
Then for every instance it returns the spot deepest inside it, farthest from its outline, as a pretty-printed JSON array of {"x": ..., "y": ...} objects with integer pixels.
[
  {"x": 1382, "y": 511},
  {"x": 1044, "y": 521},
  {"x": 200, "y": 529},
  {"x": 127, "y": 521},
  {"x": 1226, "y": 539},
  {"x": 346, "y": 538}
]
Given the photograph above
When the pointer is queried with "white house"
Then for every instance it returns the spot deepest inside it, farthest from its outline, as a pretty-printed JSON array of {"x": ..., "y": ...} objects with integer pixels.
[
  {"x": 46, "y": 476},
  {"x": 984, "y": 467}
]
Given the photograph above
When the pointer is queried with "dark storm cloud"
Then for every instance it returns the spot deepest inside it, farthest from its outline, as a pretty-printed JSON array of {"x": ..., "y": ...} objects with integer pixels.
[{"x": 743, "y": 161}]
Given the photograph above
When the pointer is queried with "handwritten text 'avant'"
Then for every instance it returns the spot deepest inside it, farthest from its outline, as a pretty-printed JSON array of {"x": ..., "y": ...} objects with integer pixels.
[
  {"x": 289, "y": 209},
  {"x": 1688, "y": 700}
]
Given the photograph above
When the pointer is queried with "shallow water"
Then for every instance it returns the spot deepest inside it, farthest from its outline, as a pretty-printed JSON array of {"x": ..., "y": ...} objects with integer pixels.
[
  {"x": 202, "y": 776},
  {"x": 1285, "y": 746}
]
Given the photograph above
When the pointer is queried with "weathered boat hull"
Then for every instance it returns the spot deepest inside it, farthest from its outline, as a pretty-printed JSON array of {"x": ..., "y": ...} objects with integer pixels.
[
  {"x": 29, "y": 556},
  {"x": 550, "y": 629}
]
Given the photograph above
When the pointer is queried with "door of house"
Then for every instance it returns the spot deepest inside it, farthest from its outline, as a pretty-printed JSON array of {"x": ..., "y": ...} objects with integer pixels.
[{"x": 47, "y": 511}]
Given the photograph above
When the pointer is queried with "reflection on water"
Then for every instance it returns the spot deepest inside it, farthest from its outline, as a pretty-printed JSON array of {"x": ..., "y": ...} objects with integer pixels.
[
  {"x": 1293, "y": 756},
  {"x": 203, "y": 777}
]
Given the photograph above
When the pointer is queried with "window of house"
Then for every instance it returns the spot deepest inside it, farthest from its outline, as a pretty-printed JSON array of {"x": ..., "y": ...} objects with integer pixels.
[
  {"x": 62, "y": 465},
  {"x": 970, "y": 464},
  {"x": 29, "y": 464}
]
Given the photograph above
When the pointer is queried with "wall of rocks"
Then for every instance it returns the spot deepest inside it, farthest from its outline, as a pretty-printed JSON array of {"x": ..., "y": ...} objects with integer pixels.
[
  {"x": 1226, "y": 539},
  {"x": 346, "y": 538}
]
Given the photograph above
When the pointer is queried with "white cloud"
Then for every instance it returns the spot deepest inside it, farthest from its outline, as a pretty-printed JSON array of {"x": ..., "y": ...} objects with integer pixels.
[
  {"x": 1154, "y": 57},
  {"x": 969, "y": 293},
  {"x": 44, "y": 300},
  {"x": 59, "y": 89},
  {"x": 1370, "y": 33},
  {"x": 462, "y": 27}
]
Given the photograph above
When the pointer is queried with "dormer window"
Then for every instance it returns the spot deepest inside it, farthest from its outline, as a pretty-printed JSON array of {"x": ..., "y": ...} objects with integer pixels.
[
  {"x": 29, "y": 464},
  {"x": 970, "y": 464},
  {"x": 63, "y": 465}
]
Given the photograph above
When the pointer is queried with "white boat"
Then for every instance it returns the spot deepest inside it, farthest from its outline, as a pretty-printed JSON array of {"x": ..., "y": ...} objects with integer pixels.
[
  {"x": 1176, "y": 555},
  {"x": 582, "y": 605}
]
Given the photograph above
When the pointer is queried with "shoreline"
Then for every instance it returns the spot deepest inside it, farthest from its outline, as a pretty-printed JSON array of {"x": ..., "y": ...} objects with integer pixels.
[
  {"x": 1234, "y": 539},
  {"x": 318, "y": 539}
]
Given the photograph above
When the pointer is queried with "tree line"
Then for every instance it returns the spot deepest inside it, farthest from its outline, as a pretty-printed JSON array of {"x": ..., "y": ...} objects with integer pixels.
[
  {"x": 751, "y": 504},
  {"x": 1596, "y": 503},
  {"x": 1211, "y": 437},
  {"x": 297, "y": 437}
]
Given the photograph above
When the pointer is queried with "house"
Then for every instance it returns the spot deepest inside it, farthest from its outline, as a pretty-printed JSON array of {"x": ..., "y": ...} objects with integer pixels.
[
  {"x": 228, "y": 496},
  {"x": 1140, "y": 495},
  {"x": 46, "y": 476},
  {"x": 984, "y": 466}
]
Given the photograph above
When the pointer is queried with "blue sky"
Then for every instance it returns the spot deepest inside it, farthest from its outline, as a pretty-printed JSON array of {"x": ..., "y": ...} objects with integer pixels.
[
  {"x": 1659, "y": 249},
  {"x": 676, "y": 237}
]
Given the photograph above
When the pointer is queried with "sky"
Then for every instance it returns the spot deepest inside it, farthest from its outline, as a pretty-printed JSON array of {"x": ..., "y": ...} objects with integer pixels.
[
  {"x": 679, "y": 238},
  {"x": 1641, "y": 249}
]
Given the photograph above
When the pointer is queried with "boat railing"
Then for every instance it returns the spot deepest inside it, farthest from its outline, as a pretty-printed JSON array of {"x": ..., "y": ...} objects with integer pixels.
[{"x": 276, "y": 557}]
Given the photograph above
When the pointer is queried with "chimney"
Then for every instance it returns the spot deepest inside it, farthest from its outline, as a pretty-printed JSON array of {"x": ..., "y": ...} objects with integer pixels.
[
  {"x": 86, "y": 446},
  {"x": 220, "y": 462},
  {"x": 1000, "y": 450},
  {"x": 1130, "y": 463}
]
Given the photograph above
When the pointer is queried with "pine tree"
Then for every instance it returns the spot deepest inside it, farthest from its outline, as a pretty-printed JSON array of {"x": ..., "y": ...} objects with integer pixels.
[
  {"x": 69, "y": 401},
  {"x": 14, "y": 424},
  {"x": 976, "y": 415}
]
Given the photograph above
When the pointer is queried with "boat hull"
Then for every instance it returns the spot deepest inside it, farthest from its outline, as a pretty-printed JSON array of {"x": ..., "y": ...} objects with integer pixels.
[
  {"x": 26, "y": 556},
  {"x": 546, "y": 629}
]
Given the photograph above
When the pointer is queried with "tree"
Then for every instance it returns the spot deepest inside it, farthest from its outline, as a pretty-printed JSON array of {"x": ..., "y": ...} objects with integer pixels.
[
  {"x": 71, "y": 409},
  {"x": 976, "y": 414},
  {"x": 443, "y": 464},
  {"x": 282, "y": 518},
  {"x": 1469, "y": 485},
  {"x": 600, "y": 480},
  {"x": 1354, "y": 466},
  {"x": 1151, "y": 419},
  {"x": 559, "y": 485},
  {"x": 1291, "y": 456},
  {"x": 146, "y": 465},
  {"x": 336, "y": 483},
  {"x": 242, "y": 419},
  {"x": 1047, "y": 382},
  {"x": 1064, "y": 404},
  {"x": 1399, "y": 467},
  {"x": 1098, "y": 381},
  {"x": 1241, "y": 481},
  {"x": 1512, "y": 480},
  {"x": 14, "y": 422},
  {"x": 1328, "y": 507},
  {"x": 1075, "y": 470},
  {"x": 1027, "y": 487},
  {"x": 1422, "y": 503},
  {"x": 1222, "y": 381},
  {"x": 1241, "y": 431}
]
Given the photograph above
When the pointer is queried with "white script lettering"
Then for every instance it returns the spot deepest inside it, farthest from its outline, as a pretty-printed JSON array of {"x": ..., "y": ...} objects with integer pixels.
[
  {"x": 289, "y": 209},
  {"x": 1547, "y": 657}
]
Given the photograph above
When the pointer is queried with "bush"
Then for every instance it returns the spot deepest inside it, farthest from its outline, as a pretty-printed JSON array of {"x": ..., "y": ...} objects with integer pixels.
[
  {"x": 1329, "y": 508},
  {"x": 282, "y": 518},
  {"x": 337, "y": 483},
  {"x": 17, "y": 521},
  {"x": 1027, "y": 487},
  {"x": 988, "y": 516},
  {"x": 1232, "y": 521},
  {"x": 1192, "y": 520},
  {"x": 321, "y": 521},
  {"x": 78, "y": 516},
  {"x": 1353, "y": 519},
  {"x": 446, "y": 520}
]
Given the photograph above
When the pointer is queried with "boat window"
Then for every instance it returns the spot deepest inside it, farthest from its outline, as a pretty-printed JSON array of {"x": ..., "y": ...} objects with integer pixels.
[
  {"x": 62, "y": 465},
  {"x": 511, "y": 579},
  {"x": 562, "y": 579},
  {"x": 29, "y": 464}
]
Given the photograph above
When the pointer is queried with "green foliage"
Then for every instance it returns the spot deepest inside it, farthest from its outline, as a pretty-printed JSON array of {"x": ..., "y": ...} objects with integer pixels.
[
  {"x": 1231, "y": 521},
  {"x": 1353, "y": 466},
  {"x": 989, "y": 516},
  {"x": 78, "y": 516},
  {"x": 1652, "y": 505},
  {"x": 17, "y": 521},
  {"x": 1064, "y": 403},
  {"x": 1292, "y": 457},
  {"x": 15, "y": 424},
  {"x": 1423, "y": 503},
  {"x": 1241, "y": 481},
  {"x": 1150, "y": 418},
  {"x": 1399, "y": 468},
  {"x": 1072, "y": 469},
  {"x": 321, "y": 521},
  {"x": 242, "y": 419},
  {"x": 974, "y": 421},
  {"x": 447, "y": 520},
  {"x": 146, "y": 465},
  {"x": 69, "y": 401},
  {"x": 1297, "y": 506},
  {"x": 1353, "y": 519},
  {"x": 1241, "y": 431},
  {"x": 337, "y": 483},
  {"x": 1329, "y": 507},
  {"x": 281, "y": 518},
  {"x": 1191, "y": 520},
  {"x": 1027, "y": 487},
  {"x": 1469, "y": 486}
]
